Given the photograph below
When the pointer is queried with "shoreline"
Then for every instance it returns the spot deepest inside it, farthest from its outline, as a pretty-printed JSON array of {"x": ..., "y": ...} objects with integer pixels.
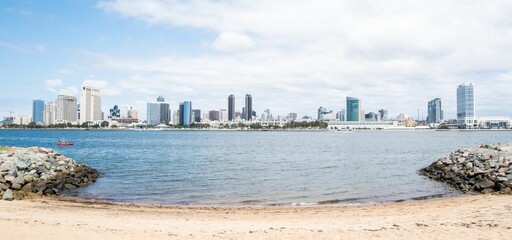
[{"x": 461, "y": 217}]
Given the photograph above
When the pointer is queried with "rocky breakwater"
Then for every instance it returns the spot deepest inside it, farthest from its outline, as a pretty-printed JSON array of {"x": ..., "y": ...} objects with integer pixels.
[
  {"x": 32, "y": 172},
  {"x": 485, "y": 169}
]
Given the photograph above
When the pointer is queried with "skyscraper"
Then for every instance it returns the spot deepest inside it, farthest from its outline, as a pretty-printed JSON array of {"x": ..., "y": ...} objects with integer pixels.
[
  {"x": 231, "y": 107},
  {"x": 90, "y": 104},
  {"x": 248, "y": 107},
  {"x": 37, "y": 111},
  {"x": 466, "y": 105},
  {"x": 214, "y": 115},
  {"x": 160, "y": 99},
  {"x": 158, "y": 112},
  {"x": 353, "y": 109},
  {"x": 49, "y": 113},
  {"x": 186, "y": 113},
  {"x": 435, "y": 112},
  {"x": 197, "y": 115},
  {"x": 66, "y": 107}
]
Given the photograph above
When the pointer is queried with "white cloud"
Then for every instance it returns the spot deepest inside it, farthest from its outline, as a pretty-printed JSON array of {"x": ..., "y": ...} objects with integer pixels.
[
  {"x": 24, "y": 49},
  {"x": 294, "y": 55},
  {"x": 53, "y": 85},
  {"x": 230, "y": 41}
]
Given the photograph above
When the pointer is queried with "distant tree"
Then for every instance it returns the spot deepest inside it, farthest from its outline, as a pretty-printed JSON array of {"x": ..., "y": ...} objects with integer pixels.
[{"x": 104, "y": 124}]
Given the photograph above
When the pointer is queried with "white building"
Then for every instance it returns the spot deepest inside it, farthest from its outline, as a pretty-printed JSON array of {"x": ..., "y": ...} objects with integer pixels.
[
  {"x": 49, "y": 113},
  {"x": 90, "y": 104},
  {"x": 66, "y": 107},
  {"x": 22, "y": 119},
  {"x": 223, "y": 115}
]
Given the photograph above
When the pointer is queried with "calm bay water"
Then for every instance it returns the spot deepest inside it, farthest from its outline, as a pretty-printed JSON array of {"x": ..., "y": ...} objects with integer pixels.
[{"x": 214, "y": 167}]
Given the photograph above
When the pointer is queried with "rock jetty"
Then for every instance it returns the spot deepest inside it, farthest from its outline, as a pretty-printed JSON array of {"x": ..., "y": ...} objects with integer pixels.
[
  {"x": 484, "y": 169},
  {"x": 34, "y": 171}
]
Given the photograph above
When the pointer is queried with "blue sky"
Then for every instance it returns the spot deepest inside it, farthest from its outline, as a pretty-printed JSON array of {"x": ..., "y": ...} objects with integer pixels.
[{"x": 291, "y": 56}]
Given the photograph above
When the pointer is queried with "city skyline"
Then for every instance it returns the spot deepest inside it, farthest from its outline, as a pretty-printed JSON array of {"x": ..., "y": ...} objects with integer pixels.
[{"x": 289, "y": 63}]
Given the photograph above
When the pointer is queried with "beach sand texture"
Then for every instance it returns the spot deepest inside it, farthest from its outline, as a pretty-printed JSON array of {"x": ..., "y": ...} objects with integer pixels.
[{"x": 462, "y": 217}]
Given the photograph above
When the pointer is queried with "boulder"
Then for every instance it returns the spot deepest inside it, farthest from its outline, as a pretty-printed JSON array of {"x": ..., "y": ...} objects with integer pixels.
[{"x": 8, "y": 195}]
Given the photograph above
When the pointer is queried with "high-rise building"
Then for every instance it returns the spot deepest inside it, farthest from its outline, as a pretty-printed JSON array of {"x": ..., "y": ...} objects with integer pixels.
[
  {"x": 341, "y": 115},
  {"x": 292, "y": 116},
  {"x": 214, "y": 115},
  {"x": 197, "y": 115},
  {"x": 223, "y": 115},
  {"x": 186, "y": 113},
  {"x": 353, "y": 109},
  {"x": 160, "y": 99},
  {"x": 435, "y": 112},
  {"x": 132, "y": 113},
  {"x": 115, "y": 112},
  {"x": 90, "y": 104},
  {"x": 383, "y": 113},
  {"x": 66, "y": 106},
  {"x": 371, "y": 117},
  {"x": 37, "y": 111},
  {"x": 248, "y": 107},
  {"x": 466, "y": 105},
  {"x": 49, "y": 114},
  {"x": 158, "y": 112},
  {"x": 231, "y": 107}
]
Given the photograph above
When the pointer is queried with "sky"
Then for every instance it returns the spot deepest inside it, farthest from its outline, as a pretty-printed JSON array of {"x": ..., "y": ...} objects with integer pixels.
[{"x": 290, "y": 55}]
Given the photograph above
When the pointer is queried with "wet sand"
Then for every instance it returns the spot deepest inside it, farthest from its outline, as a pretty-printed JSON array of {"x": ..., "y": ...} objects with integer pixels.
[{"x": 461, "y": 217}]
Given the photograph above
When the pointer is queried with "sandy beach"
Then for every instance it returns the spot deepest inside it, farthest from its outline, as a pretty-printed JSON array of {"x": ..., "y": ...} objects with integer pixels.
[{"x": 462, "y": 217}]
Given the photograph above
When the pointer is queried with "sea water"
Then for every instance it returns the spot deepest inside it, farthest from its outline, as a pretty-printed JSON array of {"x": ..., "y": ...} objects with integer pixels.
[{"x": 258, "y": 168}]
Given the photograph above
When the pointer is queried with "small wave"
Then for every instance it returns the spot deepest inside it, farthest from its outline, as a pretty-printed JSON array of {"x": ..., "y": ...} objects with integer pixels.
[{"x": 336, "y": 201}]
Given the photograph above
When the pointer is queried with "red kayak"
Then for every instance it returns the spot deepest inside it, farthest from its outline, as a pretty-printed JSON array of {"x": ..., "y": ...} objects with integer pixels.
[{"x": 64, "y": 143}]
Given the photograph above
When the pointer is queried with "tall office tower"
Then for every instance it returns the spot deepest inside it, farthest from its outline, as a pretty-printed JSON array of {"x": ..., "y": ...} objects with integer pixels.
[
  {"x": 160, "y": 99},
  {"x": 248, "y": 107},
  {"x": 383, "y": 113},
  {"x": 49, "y": 113},
  {"x": 231, "y": 107},
  {"x": 67, "y": 106},
  {"x": 214, "y": 115},
  {"x": 37, "y": 111},
  {"x": 466, "y": 105},
  {"x": 322, "y": 111},
  {"x": 158, "y": 112},
  {"x": 186, "y": 113},
  {"x": 353, "y": 109},
  {"x": 435, "y": 112},
  {"x": 90, "y": 104},
  {"x": 197, "y": 115}
]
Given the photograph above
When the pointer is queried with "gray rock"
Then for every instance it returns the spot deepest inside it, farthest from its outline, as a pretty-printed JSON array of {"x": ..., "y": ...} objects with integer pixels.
[
  {"x": 28, "y": 178},
  {"x": 501, "y": 179},
  {"x": 8, "y": 195},
  {"x": 13, "y": 172},
  {"x": 16, "y": 186},
  {"x": 18, "y": 180},
  {"x": 3, "y": 186},
  {"x": 9, "y": 178}
]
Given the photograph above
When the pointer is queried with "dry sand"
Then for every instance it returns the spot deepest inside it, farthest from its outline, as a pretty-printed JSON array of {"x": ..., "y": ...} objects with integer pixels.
[{"x": 463, "y": 217}]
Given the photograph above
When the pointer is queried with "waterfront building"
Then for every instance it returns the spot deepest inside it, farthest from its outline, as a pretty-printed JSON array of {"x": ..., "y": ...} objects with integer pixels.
[
  {"x": 197, "y": 115},
  {"x": 371, "y": 116},
  {"x": 22, "y": 119},
  {"x": 37, "y": 111},
  {"x": 66, "y": 107},
  {"x": 176, "y": 117},
  {"x": 292, "y": 116},
  {"x": 435, "y": 112},
  {"x": 132, "y": 113},
  {"x": 223, "y": 115},
  {"x": 158, "y": 112},
  {"x": 353, "y": 109},
  {"x": 383, "y": 114},
  {"x": 214, "y": 115},
  {"x": 49, "y": 113},
  {"x": 466, "y": 105},
  {"x": 231, "y": 107},
  {"x": 115, "y": 112},
  {"x": 340, "y": 116},
  {"x": 90, "y": 104},
  {"x": 321, "y": 111},
  {"x": 493, "y": 122},
  {"x": 248, "y": 107},
  {"x": 186, "y": 113}
]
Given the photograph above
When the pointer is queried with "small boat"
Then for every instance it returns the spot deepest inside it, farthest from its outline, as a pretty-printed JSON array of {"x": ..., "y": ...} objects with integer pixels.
[{"x": 64, "y": 143}]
